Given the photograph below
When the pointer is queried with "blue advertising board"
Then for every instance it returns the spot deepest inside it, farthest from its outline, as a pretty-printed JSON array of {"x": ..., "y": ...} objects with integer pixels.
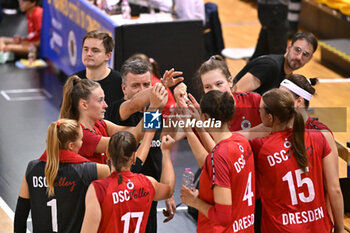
[{"x": 64, "y": 25}]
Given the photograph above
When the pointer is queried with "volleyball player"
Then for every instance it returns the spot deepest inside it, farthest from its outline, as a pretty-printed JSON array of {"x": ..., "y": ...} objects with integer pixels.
[
  {"x": 214, "y": 74},
  {"x": 293, "y": 171},
  {"x": 54, "y": 185},
  {"x": 121, "y": 202},
  {"x": 302, "y": 90},
  {"x": 83, "y": 100},
  {"x": 226, "y": 197}
]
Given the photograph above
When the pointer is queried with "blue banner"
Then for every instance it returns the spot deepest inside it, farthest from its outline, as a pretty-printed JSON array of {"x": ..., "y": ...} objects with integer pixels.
[{"x": 65, "y": 22}]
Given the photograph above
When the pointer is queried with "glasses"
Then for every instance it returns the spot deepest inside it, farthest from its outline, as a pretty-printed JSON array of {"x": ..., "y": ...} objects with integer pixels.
[{"x": 297, "y": 50}]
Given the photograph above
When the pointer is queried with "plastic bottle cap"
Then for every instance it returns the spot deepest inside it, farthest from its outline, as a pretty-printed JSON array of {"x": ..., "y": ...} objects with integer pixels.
[{"x": 188, "y": 169}]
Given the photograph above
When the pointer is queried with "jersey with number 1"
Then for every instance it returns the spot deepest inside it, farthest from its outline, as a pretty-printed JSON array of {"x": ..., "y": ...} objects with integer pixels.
[
  {"x": 292, "y": 200},
  {"x": 230, "y": 165},
  {"x": 125, "y": 207},
  {"x": 63, "y": 212}
]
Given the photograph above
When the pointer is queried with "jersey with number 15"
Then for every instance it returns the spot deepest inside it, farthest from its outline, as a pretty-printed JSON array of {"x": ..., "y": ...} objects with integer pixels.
[{"x": 292, "y": 200}]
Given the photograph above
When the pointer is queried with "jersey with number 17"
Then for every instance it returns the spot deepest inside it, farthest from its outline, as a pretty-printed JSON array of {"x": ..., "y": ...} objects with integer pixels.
[
  {"x": 292, "y": 200},
  {"x": 125, "y": 206}
]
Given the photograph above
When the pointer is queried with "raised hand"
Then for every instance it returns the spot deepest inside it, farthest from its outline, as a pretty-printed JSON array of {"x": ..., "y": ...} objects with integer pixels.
[
  {"x": 167, "y": 143},
  {"x": 168, "y": 79},
  {"x": 180, "y": 93},
  {"x": 189, "y": 108},
  {"x": 194, "y": 102},
  {"x": 158, "y": 97}
]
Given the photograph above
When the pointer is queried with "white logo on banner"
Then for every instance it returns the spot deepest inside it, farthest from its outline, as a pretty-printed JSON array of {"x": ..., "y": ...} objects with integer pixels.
[{"x": 72, "y": 48}]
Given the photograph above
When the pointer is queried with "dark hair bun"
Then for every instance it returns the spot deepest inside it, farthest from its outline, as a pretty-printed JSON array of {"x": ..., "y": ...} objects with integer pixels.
[
  {"x": 218, "y": 105},
  {"x": 217, "y": 58},
  {"x": 313, "y": 81},
  {"x": 226, "y": 107}
]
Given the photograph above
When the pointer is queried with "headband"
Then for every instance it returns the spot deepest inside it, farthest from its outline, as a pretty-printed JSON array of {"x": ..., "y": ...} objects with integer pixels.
[{"x": 296, "y": 89}]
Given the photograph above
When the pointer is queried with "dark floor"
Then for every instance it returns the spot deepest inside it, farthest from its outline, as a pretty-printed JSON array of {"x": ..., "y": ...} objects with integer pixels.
[{"x": 29, "y": 101}]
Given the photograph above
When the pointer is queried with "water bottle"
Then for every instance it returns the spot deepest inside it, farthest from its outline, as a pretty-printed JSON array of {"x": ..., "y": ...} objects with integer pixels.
[
  {"x": 188, "y": 178},
  {"x": 31, "y": 54},
  {"x": 126, "y": 10},
  {"x": 151, "y": 8}
]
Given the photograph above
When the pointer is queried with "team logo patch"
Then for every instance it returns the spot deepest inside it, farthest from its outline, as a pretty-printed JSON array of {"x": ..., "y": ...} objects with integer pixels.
[
  {"x": 130, "y": 185},
  {"x": 151, "y": 120},
  {"x": 246, "y": 124},
  {"x": 287, "y": 144}
]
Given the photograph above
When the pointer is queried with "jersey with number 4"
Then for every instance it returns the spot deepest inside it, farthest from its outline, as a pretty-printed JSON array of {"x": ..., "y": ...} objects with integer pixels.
[
  {"x": 125, "y": 207},
  {"x": 292, "y": 200},
  {"x": 64, "y": 212},
  {"x": 230, "y": 165}
]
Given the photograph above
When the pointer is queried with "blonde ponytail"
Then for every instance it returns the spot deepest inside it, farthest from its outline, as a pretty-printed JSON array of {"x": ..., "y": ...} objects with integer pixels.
[
  {"x": 59, "y": 134},
  {"x": 52, "y": 152}
]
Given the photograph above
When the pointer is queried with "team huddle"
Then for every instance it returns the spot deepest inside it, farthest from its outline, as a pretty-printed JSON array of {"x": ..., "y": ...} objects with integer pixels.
[{"x": 267, "y": 167}]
